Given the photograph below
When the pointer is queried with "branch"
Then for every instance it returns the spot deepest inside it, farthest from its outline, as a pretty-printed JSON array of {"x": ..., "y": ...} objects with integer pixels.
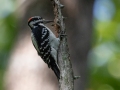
[{"x": 66, "y": 73}]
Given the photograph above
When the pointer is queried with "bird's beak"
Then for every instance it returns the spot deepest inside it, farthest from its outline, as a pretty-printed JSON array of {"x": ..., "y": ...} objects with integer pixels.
[{"x": 47, "y": 21}]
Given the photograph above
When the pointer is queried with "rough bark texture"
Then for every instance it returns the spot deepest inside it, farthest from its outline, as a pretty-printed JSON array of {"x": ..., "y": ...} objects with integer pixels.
[{"x": 66, "y": 73}]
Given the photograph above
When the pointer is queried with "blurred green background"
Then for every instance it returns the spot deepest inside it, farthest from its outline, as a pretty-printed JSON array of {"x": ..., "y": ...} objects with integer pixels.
[
  {"x": 103, "y": 57},
  {"x": 7, "y": 34}
]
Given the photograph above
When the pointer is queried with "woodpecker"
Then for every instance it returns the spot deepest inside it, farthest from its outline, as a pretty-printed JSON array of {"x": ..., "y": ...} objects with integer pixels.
[{"x": 45, "y": 42}]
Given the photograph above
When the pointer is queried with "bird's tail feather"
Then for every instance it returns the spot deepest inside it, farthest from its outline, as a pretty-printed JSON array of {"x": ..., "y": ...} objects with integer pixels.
[
  {"x": 53, "y": 65},
  {"x": 56, "y": 70}
]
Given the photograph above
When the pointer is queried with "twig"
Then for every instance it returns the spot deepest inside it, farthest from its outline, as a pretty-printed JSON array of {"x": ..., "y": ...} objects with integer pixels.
[{"x": 66, "y": 81}]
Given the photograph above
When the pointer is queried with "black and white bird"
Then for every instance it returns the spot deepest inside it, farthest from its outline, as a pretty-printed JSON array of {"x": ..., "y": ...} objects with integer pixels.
[{"x": 45, "y": 42}]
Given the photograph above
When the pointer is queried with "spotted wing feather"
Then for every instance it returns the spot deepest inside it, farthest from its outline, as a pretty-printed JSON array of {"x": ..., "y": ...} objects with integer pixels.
[{"x": 42, "y": 45}]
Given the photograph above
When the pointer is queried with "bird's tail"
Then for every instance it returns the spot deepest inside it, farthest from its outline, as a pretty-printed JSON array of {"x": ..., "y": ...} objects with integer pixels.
[{"x": 56, "y": 70}]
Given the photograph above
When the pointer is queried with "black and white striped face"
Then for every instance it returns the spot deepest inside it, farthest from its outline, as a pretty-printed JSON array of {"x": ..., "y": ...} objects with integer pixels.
[{"x": 34, "y": 21}]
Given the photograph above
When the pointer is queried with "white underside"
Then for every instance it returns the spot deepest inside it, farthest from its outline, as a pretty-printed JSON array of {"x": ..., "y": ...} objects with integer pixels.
[{"x": 54, "y": 43}]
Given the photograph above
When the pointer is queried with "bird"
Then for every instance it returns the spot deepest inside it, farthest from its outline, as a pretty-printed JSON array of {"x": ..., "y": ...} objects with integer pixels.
[{"x": 45, "y": 42}]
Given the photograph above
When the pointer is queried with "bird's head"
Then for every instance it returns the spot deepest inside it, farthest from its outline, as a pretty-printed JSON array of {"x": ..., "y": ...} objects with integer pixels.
[{"x": 36, "y": 20}]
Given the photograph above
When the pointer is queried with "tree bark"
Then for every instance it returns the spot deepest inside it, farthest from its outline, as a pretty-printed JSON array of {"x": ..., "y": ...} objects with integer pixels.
[{"x": 66, "y": 81}]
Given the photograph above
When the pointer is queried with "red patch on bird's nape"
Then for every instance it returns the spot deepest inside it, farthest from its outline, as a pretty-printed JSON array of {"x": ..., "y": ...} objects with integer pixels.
[{"x": 30, "y": 19}]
